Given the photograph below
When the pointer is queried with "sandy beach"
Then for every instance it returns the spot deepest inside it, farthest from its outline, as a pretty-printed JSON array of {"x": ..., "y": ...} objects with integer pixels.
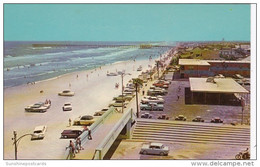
[{"x": 93, "y": 91}]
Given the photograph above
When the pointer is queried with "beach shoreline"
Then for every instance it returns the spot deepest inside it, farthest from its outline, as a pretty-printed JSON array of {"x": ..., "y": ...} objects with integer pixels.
[{"x": 93, "y": 89}]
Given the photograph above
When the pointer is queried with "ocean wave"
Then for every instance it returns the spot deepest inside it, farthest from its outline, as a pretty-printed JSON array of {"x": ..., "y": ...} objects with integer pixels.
[
  {"x": 94, "y": 50},
  {"x": 114, "y": 54},
  {"x": 8, "y": 56}
]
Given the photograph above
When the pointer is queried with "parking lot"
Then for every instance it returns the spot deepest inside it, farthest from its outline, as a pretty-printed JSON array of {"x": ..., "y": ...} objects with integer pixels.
[
  {"x": 128, "y": 149},
  {"x": 175, "y": 105}
]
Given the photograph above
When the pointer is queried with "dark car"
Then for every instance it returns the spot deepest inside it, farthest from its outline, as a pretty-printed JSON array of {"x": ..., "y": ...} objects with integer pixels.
[
  {"x": 71, "y": 133},
  {"x": 163, "y": 116},
  {"x": 180, "y": 118},
  {"x": 216, "y": 120},
  {"x": 198, "y": 119}
]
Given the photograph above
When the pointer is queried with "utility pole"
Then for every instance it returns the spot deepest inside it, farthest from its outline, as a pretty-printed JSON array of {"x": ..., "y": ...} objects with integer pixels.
[
  {"x": 122, "y": 75},
  {"x": 157, "y": 65},
  {"x": 136, "y": 94},
  {"x": 16, "y": 141},
  {"x": 15, "y": 145}
]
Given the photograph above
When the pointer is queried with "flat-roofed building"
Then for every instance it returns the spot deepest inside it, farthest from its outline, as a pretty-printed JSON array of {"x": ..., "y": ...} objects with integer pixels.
[
  {"x": 214, "y": 91},
  {"x": 206, "y": 68},
  {"x": 193, "y": 68}
]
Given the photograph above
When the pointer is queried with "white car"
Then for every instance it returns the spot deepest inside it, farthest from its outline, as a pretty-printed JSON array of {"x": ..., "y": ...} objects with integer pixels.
[
  {"x": 152, "y": 99},
  {"x": 155, "y": 148},
  {"x": 39, "y": 132},
  {"x": 112, "y": 74},
  {"x": 66, "y": 93},
  {"x": 37, "y": 107},
  {"x": 67, "y": 107}
]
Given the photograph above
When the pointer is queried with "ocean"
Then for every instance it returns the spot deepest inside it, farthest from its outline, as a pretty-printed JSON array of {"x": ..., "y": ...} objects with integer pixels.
[{"x": 26, "y": 62}]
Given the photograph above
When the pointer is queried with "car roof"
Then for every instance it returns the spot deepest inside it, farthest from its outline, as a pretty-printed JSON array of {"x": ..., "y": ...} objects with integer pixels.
[
  {"x": 156, "y": 144},
  {"x": 75, "y": 128},
  {"x": 39, "y": 127},
  {"x": 67, "y": 103}
]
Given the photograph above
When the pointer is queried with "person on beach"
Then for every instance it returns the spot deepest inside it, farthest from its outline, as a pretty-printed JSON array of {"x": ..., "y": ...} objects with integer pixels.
[
  {"x": 143, "y": 92},
  {"x": 69, "y": 85},
  {"x": 49, "y": 101},
  {"x": 46, "y": 101},
  {"x": 69, "y": 122},
  {"x": 77, "y": 76},
  {"x": 72, "y": 148},
  {"x": 178, "y": 97}
]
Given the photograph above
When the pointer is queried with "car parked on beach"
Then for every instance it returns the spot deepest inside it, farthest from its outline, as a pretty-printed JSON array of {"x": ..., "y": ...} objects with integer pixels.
[
  {"x": 180, "y": 118},
  {"x": 101, "y": 112},
  {"x": 152, "y": 107},
  {"x": 85, "y": 120},
  {"x": 140, "y": 68},
  {"x": 128, "y": 94},
  {"x": 66, "y": 93},
  {"x": 124, "y": 97},
  {"x": 112, "y": 74},
  {"x": 39, "y": 132},
  {"x": 216, "y": 120},
  {"x": 72, "y": 132},
  {"x": 37, "y": 107},
  {"x": 198, "y": 119},
  {"x": 67, "y": 107},
  {"x": 118, "y": 104},
  {"x": 155, "y": 149}
]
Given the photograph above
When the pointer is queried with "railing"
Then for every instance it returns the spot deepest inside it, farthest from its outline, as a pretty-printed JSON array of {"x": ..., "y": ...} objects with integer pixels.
[
  {"x": 93, "y": 127},
  {"x": 105, "y": 145}
]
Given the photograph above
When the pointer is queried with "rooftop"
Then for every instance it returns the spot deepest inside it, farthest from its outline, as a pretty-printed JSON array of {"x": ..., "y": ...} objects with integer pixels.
[
  {"x": 193, "y": 62},
  {"x": 206, "y": 62},
  {"x": 220, "y": 85}
]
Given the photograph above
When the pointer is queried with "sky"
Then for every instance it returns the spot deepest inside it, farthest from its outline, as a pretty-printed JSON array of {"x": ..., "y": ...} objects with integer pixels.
[{"x": 126, "y": 22}]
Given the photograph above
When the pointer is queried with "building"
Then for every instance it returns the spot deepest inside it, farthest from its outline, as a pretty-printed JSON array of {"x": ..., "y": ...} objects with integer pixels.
[
  {"x": 217, "y": 91},
  {"x": 227, "y": 52},
  {"x": 207, "y": 68}
]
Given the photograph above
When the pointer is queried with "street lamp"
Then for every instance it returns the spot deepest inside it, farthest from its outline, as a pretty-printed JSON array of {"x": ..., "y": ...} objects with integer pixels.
[
  {"x": 157, "y": 65},
  {"x": 122, "y": 77},
  {"x": 16, "y": 142}
]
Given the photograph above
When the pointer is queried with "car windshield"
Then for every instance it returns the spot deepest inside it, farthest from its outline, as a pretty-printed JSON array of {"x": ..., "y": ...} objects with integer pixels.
[
  {"x": 66, "y": 91},
  {"x": 37, "y": 131},
  {"x": 36, "y": 106},
  {"x": 88, "y": 117},
  {"x": 66, "y": 104}
]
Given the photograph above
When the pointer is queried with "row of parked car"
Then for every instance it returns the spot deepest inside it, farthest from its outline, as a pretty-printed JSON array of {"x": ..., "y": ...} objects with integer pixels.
[
  {"x": 154, "y": 100},
  {"x": 87, "y": 120},
  {"x": 128, "y": 94}
]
